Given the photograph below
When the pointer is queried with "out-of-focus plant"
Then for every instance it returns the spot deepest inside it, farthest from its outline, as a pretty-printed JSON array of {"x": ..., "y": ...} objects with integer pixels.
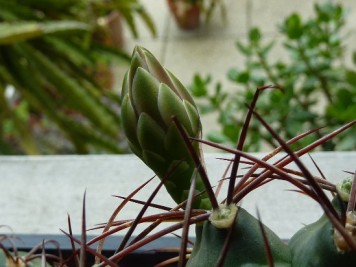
[
  {"x": 189, "y": 13},
  {"x": 55, "y": 89},
  {"x": 318, "y": 90}
]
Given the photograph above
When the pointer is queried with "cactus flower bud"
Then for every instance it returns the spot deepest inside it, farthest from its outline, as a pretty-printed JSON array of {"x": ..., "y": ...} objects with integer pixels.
[
  {"x": 344, "y": 189},
  {"x": 151, "y": 95}
]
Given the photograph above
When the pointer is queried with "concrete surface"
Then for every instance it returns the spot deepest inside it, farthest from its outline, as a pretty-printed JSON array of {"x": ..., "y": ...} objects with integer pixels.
[{"x": 37, "y": 193}]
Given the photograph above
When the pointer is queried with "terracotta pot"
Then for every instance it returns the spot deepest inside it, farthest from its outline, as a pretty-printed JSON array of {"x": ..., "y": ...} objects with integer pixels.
[{"x": 186, "y": 15}]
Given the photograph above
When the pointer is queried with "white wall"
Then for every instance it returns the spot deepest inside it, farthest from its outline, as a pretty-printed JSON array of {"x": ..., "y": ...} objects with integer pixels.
[{"x": 38, "y": 192}]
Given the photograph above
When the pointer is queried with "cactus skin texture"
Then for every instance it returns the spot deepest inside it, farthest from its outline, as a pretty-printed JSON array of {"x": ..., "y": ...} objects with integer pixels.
[
  {"x": 151, "y": 95},
  {"x": 8, "y": 261},
  {"x": 314, "y": 245},
  {"x": 246, "y": 249}
]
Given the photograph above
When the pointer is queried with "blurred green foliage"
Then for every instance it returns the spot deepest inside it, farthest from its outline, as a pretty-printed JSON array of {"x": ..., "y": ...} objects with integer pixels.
[
  {"x": 55, "y": 91},
  {"x": 319, "y": 90}
]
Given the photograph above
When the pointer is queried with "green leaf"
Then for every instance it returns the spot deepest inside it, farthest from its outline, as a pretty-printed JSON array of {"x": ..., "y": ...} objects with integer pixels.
[
  {"x": 351, "y": 77},
  {"x": 354, "y": 57},
  {"x": 21, "y": 31},
  {"x": 293, "y": 26},
  {"x": 244, "y": 49},
  {"x": 254, "y": 35},
  {"x": 243, "y": 77},
  {"x": 217, "y": 137},
  {"x": 198, "y": 87},
  {"x": 231, "y": 132},
  {"x": 110, "y": 54},
  {"x": 48, "y": 4},
  {"x": 147, "y": 20},
  {"x": 75, "y": 54},
  {"x": 72, "y": 92},
  {"x": 233, "y": 74},
  {"x": 267, "y": 48}
]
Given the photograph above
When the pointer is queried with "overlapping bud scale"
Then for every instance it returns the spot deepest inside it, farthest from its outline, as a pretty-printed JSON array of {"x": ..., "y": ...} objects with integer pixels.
[{"x": 151, "y": 95}]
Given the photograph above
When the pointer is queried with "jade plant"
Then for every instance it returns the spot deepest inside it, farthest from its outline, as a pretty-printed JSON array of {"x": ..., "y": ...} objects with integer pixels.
[{"x": 319, "y": 87}]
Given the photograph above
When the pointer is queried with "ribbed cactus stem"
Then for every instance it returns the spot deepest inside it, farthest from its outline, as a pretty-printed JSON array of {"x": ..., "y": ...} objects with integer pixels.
[
  {"x": 347, "y": 192},
  {"x": 246, "y": 248},
  {"x": 350, "y": 227}
]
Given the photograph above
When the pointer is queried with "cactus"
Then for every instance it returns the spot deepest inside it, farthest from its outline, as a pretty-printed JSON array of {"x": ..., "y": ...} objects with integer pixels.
[
  {"x": 11, "y": 256},
  {"x": 20, "y": 259},
  {"x": 320, "y": 244},
  {"x": 246, "y": 248},
  {"x": 314, "y": 245},
  {"x": 163, "y": 128}
]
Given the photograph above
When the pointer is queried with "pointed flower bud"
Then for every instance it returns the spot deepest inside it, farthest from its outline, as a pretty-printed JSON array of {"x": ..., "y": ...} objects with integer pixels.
[{"x": 151, "y": 95}]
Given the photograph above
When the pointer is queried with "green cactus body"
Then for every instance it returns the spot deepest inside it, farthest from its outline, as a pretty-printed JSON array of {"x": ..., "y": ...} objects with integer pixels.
[
  {"x": 6, "y": 261},
  {"x": 150, "y": 97},
  {"x": 247, "y": 248},
  {"x": 314, "y": 246}
]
